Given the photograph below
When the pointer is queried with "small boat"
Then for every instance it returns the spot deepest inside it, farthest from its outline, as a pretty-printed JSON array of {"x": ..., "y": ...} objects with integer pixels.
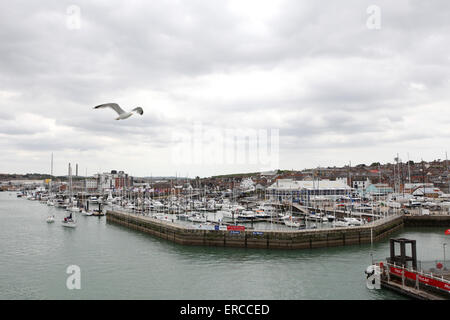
[
  {"x": 51, "y": 219},
  {"x": 246, "y": 214},
  {"x": 68, "y": 223},
  {"x": 197, "y": 218},
  {"x": 98, "y": 213},
  {"x": 339, "y": 223},
  {"x": 289, "y": 222},
  {"x": 353, "y": 221},
  {"x": 73, "y": 209},
  {"x": 86, "y": 213},
  {"x": 292, "y": 224},
  {"x": 261, "y": 214}
]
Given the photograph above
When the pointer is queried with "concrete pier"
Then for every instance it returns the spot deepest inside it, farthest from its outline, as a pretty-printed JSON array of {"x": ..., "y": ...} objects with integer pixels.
[{"x": 269, "y": 239}]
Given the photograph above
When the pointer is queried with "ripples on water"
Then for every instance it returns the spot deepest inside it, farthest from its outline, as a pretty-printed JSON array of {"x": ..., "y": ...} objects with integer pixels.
[{"x": 118, "y": 263}]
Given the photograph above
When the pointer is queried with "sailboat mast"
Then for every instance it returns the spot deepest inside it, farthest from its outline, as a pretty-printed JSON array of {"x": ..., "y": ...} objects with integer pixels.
[
  {"x": 70, "y": 183},
  {"x": 409, "y": 170},
  {"x": 51, "y": 176},
  {"x": 448, "y": 173}
]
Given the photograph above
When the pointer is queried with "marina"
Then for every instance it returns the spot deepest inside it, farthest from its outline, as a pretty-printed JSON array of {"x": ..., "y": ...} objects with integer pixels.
[{"x": 168, "y": 270}]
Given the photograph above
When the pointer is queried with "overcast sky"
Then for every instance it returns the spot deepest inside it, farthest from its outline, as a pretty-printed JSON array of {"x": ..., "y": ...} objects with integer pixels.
[{"x": 335, "y": 88}]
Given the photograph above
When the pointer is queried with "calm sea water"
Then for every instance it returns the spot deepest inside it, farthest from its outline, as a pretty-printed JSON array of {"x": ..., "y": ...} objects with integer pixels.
[{"x": 117, "y": 263}]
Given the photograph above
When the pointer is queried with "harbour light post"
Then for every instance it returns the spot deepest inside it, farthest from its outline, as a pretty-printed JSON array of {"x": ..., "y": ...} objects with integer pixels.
[{"x": 443, "y": 246}]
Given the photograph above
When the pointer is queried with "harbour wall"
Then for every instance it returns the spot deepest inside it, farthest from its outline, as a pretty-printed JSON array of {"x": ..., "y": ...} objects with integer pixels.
[
  {"x": 427, "y": 221},
  {"x": 268, "y": 239}
]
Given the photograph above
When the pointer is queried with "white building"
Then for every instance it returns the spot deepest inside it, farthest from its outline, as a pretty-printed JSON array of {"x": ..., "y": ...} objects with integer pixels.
[
  {"x": 247, "y": 185},
  {"x": 361, "y": 184},
  {"x": 427, "y": 192},
  {"x": 410, "y": 187},
  {"x": 287, "y": 189},
  {"x": 91, "y": 184}
]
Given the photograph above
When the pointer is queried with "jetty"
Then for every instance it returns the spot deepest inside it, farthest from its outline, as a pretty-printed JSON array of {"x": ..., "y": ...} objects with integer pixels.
[{"x": 421, "y": 280}]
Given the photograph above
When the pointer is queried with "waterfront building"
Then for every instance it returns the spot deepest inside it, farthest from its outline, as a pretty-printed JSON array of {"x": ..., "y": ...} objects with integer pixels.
[
  {"x": 113, "y": 181},
  {"x": 305, "y": 190},
  {"x": 361, "y": 183},
  {"x": 429, "y": 192},
  {"x": 379, "y": 189},
  {"x": 91, "y": 184},
  {"x": 410, "y": 187}
]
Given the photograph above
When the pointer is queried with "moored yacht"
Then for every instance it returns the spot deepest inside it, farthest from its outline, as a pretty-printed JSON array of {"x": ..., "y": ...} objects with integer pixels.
[
  {"x": 246, "y": 214},
  {"x": 197, "y": 218}
]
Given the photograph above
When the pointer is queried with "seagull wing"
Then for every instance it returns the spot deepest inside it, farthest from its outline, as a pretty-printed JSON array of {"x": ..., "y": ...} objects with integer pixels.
[
  {"x": 113, "y": 106},
  {"x": 139, "y": 110}
]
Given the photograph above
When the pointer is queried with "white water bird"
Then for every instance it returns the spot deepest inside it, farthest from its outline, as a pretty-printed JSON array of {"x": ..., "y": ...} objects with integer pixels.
[{"x": 122, "y": 113}]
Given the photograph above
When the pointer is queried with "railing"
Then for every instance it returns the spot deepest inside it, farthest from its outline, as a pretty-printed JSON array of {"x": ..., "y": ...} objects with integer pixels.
[
  {"x": 419, "y": 277},
  {"x": 436, "y": 267}
]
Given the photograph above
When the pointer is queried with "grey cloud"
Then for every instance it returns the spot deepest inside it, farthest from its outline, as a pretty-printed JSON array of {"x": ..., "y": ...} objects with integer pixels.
[{"x": 352, "y": 81}]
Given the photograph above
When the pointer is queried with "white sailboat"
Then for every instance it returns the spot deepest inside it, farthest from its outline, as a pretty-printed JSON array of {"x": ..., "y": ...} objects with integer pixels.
[
  {"x": 291, "y": 223},
  {"x": 197, "y": 218},
  {"x": 68, "y": 222},
  {"x": 51, "y": 219}
]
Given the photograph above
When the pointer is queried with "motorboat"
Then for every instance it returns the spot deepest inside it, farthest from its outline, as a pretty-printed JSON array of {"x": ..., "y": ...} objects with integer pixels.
[
  {"x": 289, "y": 222},
  {"x": 73, "y": 209},
  {"x": 353, "y": 221},
  {"x": 314, "y": 217},
  {"x": 292, "y": 224},
  {"x": 61, "y": 204},
  {"x": 197, "y": 218},
  {"x": 86, "y": 213},
  {"x": 98, "y": 213},
  {"x": 93, "y": 199},
  {"x": 259, "y": 213},
  {"x": 246, "y": 214},
  {"x": 340, "y": 223}
]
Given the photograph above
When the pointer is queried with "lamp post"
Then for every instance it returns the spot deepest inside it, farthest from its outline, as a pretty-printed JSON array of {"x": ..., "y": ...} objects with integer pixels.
[{"x": 443, "y": 246}]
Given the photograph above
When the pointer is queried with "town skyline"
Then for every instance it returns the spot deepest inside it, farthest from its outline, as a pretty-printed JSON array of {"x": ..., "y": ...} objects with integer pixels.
[{"x": 374, "y": 164}]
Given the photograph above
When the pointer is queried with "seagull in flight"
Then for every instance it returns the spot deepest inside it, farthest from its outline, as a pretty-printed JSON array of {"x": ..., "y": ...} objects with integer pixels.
[{"x": 122, "y": 113}]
